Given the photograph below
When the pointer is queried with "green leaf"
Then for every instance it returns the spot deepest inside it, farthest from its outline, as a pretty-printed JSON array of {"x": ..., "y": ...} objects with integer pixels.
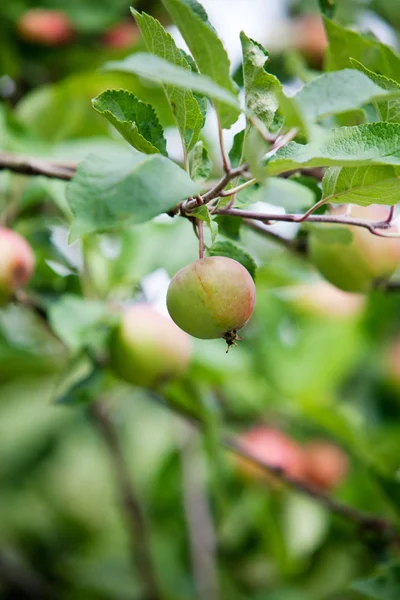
[
  {"x": 207, "y": 50},
  {"x": 232, "y": 251},
  {"x": 388, "y": 110},
  {"x": 136, "y": 121},
  {"x": 84, "y": 390},
  {"x": 345, "y": 44},
  {"x": 327, "y": 7},
  {"x": 259, "y": 86},
  {"x": 200, "y": 164},
  {"x": 160, "y": 71},
  {"x": 385, "y": 586},
  {"x": 362, "y": 185},
  {"x": 110, "y": 192},
  {"x": 184, "y": 105},
  {"x": 235, "y": 153},
  {"x": 203, "y": 213},
  {"x": 338, "y": 92},
  {"x": 254, "y": 150},
  {"x": 229, "y": 227},
  {"x": 369, "y": 144},
  {"x": 79, "y": 322},
  {"x": 292, "y": 196}
]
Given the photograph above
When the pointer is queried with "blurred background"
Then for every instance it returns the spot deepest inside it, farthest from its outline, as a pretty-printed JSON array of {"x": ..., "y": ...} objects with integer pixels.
[{"x": 317, "y": 374}]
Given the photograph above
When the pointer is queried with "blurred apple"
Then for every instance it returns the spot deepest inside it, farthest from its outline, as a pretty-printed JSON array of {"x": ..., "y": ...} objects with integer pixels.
[
  {"x": 274, "y": 448},
  {"x": 45, "y": 27},
  {"x": 326, "y": 464},
  {"x": 308, "y": 37},
  {"x": 16, "y": 263},
  {"x": 121, "y": 36},
  {"x": 325, "y": 300},
  {"x": 364, "y": 262}
]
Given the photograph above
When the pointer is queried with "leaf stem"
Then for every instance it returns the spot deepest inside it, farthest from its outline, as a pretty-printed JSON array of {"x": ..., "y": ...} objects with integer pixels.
[{"x": 225, "y": 160}]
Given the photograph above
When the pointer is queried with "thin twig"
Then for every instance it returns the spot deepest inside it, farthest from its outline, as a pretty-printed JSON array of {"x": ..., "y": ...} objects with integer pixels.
[
  {"x": 200, "y": 229},
  {"x": 291, "y": 245},
  {"x": 36, "y": 166},
  {"x": 225, "y": 160},
  {"x": 135, "y": 520},
  {"x": 238, "y": 188},
  {"x": 372, "y": 226}
]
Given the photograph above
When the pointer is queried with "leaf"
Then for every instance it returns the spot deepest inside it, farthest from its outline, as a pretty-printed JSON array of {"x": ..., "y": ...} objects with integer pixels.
[
  {"x": 110, "y": 192},
  {"x": 388, "y": 110},
  {"x": 362, "y": 185},
  {"x": 345, "y": 44},
  {"x": 200, "y": 164},
  {"x": 327, "y": 7},
  {"x": 207, "y": 50},
  {"x": 82, "y": 391},
  {"x": 292, "y": 196},
  {"x": 235, "y": 153},
  {"x": 230, "y": 250},
  {"x": 385, "y": 586},
  {"x": 184, "y": 105},
  {"x": 229, "y": 227},
  {"x": 339, "y": 92},
  {"x": 203, "y": 213},
  {"x": 79, "y": 322},
  {"x": 254, "y": 150},
  {"x": 136, "y": 121},
  {"x": 369, "y": 144},
  {"x": 160, "y": 71},
  {"x": 259, "y": 86}
]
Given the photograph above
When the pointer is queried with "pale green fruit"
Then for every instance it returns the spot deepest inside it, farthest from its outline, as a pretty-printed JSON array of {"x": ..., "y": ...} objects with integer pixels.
[
  {"x": 212, "y": 298},
  {"x": 148, "y": 349},
  {"x": 363, "y": 263}
]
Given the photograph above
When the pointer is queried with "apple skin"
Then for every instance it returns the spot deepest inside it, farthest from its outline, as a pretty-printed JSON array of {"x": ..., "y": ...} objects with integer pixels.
[
  {"x": 326, "y": 464},
  {"x": 362, "y": 264},
  {"x": 309, "y": 38},
  {"x": 325, "y": 300},
  {"x": 148, "y": 349},
  {"x": 392, "y": 364},
  {"x": 211, "y": 298},
  {"x": 17, "y": 263},
  {"x": 121, "y": 36},
  {"x": 45, "y": 27},
  {"x": 273, "y": 448}
]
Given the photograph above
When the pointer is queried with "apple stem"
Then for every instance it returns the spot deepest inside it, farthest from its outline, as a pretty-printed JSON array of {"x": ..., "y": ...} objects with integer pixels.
[{"x": 200, "y": 229}]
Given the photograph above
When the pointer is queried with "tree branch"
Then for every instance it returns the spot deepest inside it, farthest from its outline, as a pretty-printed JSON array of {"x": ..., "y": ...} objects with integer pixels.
[
  {"x": 130, "y": 503},
  {"x": 37, "y": 166},
  {"x": 365, "y": 521}
]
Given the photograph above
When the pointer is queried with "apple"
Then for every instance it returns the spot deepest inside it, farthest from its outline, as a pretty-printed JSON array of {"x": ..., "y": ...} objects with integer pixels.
[
  {"x": 308, "y": 37},
  {"x": 120, "y": 36},
  {"x": 325, "y": 300},
  {"x": 326, "y": 464},
  {"x": 274, "y": 448},
  {"x": 45, "y": 27},
  {"x": 148, "y": 349},
  {"x": 363, "y": 263},
  {"x": 17, "y": 263},
  {"x": 212, "y": 298},
  {"x": 392, "y": 363}
]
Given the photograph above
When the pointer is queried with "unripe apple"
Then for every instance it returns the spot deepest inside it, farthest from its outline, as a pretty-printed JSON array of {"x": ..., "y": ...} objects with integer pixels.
[
  {"x": 148, "y": 349},
  {"x": 274, "y": 448},
  {"x": 16, "y": 263},
  {"x": 363, "y": 263},
  {"x": 325, "y": 300},
  {"x": 45, "y": 27},
  {"x": 392, "y": 364},
  {"x": 121, "y": 36},
  {"x": 326, "y": 464},
  {"x": 212, "y": 298}
]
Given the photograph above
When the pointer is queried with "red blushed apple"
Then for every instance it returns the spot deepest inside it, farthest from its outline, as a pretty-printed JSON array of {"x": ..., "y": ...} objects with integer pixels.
[
  {"x": 392, "y": 364},
  {"x": 367, "y": 261},
  {"x": 45, "y": 27},
  {"x": 212, "y": 298},
  {"x": 326, "y": 464},
  {"x": 16, "y": 263},
  {"x": 148, "y": 349},
  {"x": 309, "y": 38},
  {"x": 121, "y": 36},
  {"x": 274, "y": 448},
  {"x": 325, "y": 300}
]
